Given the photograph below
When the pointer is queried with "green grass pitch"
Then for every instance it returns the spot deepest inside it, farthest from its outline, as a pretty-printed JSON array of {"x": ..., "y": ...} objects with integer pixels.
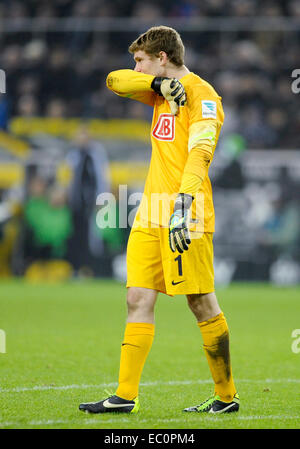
[{"x": 63, "y": 345}]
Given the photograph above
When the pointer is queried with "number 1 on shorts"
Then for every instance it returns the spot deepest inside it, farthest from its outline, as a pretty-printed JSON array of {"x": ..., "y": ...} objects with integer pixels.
[{"x": 179, "y": 264}]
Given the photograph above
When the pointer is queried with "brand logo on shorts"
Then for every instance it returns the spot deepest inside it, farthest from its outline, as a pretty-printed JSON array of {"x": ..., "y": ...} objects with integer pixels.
[
  {"x": 175, "y": 283},
  {"x": 164, "y": 128}
]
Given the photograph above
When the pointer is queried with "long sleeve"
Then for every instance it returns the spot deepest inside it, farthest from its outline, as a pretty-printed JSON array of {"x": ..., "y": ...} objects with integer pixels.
[
  {"x": 131, "y": 84},
  {"x": 206, "y": 118},
  {"x": 195, "y": 171},
  {"x": 201, "y": 144}
]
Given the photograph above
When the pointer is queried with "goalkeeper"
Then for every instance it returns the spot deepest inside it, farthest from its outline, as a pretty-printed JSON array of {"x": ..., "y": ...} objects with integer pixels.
[{"x": 170, "y": 248}]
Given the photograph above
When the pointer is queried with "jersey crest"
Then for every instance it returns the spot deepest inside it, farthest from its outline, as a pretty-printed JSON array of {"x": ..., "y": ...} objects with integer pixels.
[{"x": 164, "y": 128}]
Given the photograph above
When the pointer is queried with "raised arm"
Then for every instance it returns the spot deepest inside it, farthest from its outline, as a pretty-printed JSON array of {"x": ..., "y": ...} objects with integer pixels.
[
  {"x": 131, "y": 84},
  {"x": 141, "y": 87}
]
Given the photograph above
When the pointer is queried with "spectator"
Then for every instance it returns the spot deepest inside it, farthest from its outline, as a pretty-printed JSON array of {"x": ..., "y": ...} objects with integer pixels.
[
  {"x": 89, "y": 165},
  {"x": 280, "y": 235},
  {"x": 27, "y": 106},
  {"x": 4, "y": 112},
  {"x": 47, "y": 222},
  {"x": 56, "y": 108}
]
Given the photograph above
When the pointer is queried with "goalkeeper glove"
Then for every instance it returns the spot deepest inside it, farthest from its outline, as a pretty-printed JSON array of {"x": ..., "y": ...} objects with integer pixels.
[
  {"x": 179, "y": 234},
  {"x": 172, "y": 90}
]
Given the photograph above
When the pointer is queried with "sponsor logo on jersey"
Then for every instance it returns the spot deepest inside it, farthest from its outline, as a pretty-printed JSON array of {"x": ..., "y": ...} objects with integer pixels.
[
  {"x": 209, "y": 109},
  {"x": 164, "y": 128}
]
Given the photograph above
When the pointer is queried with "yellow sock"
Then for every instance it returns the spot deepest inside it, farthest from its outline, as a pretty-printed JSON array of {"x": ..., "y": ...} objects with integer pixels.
[
  {"x": 216, "y": 346},
  {"x": 137, "y": 343}
]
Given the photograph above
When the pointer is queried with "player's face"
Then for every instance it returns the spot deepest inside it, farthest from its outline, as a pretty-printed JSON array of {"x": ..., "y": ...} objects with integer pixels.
[{"x": 144, "y": 63}]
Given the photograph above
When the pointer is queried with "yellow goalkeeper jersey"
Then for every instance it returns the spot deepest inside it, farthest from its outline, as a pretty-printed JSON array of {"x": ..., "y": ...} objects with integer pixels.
[{"x": 173, "y": 138}]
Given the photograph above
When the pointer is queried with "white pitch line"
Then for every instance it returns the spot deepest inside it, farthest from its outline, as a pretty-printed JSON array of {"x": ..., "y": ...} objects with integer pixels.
[
  {"x": 53, "y": 387},
  {"x": 50, "y": 422},
  {"x": 143, "y": 384},
  {"x": 104, "y": 385}
]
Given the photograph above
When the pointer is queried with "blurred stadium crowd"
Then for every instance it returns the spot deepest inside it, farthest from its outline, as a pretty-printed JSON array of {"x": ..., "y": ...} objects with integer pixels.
[
  {"x": 62, "y": 74},
  {"x": 53, "y": 73}
]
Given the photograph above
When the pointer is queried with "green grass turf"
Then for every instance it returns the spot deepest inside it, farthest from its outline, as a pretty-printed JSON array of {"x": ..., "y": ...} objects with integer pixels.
[{"x": 63, "y": 344}]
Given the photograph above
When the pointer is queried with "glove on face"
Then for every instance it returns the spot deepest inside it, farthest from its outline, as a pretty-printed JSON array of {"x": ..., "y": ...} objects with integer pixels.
[{"x": 172, "y": 90}]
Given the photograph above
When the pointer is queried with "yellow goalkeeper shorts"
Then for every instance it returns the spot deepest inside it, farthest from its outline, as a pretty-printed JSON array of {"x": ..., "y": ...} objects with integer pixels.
[{"x": 152, "y": 264}]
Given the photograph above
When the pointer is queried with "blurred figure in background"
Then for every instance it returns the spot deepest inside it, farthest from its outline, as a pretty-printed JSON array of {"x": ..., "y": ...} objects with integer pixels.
[
  {"x": 34, "y": 211},
  {"x": 280, "y": 235},
  {"x": 27, "y": 106},
  {"x": 89, "y": 165},
  {"x": 4, "y": 112},
  {"x": 230, "y": 151},
  {"x": 56, "y": 108},
  {"x": 10, "y": 212},
  {"x": 48, "y": 224}
]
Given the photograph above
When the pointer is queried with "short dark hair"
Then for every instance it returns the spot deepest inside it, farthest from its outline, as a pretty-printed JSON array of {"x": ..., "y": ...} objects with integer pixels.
[{"x": 161, "y": 38}]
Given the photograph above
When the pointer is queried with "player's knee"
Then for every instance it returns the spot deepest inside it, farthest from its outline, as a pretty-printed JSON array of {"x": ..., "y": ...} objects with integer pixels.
[
  {"x": 133, "y": 300},
  {"x": 137, "y": 299},
  {"x": 203, "y": 306},
  {"x": 196, "y": 303}
]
